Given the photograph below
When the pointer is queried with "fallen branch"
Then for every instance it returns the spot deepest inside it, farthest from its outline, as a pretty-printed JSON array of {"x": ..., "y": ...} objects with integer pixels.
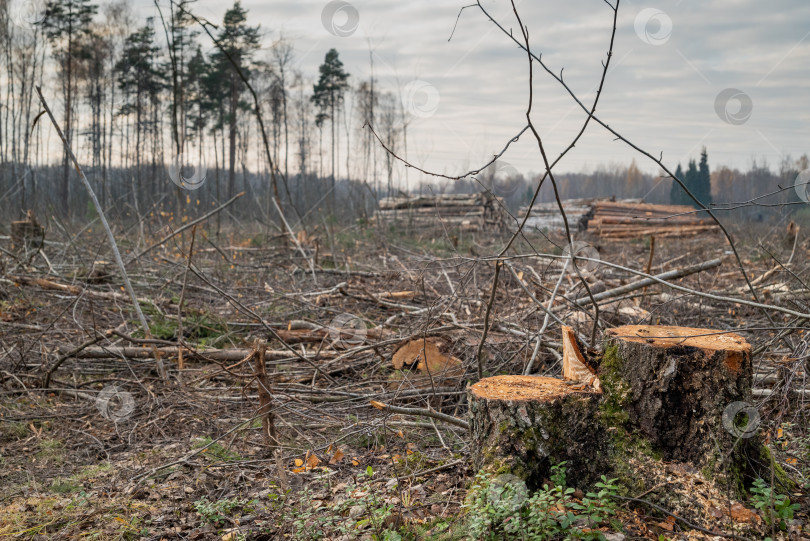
[
  {"x": 72, "y": 353},
  {"x": 226, "y": 355},
  {"x": 669, "y": 275},
  {"x": 421, "y": 412}
]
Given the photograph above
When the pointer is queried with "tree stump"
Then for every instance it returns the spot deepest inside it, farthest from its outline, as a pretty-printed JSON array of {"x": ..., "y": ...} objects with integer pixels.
[
  {"x": 525, "y": 424},
  {"x": 674, "y": 385},
  {"x": 27, "y": 235},
  {"x": 671, "y": 397}
]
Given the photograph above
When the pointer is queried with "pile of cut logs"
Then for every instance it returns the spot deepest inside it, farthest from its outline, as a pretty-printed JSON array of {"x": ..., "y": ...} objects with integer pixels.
[
  {"x": 467, "y": 212},
  {"x": 547, "y": 217},
  {"x": 627, "y": 218},
  {"x": 622, "y": 219}
]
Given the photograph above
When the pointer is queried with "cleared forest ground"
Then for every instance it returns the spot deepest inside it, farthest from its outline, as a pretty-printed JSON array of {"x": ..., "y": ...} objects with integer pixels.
[{"x": 110, "y": 450}]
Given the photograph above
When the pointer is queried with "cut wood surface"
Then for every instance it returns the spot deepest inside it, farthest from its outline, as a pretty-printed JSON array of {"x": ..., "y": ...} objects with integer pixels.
[
  {"x": 427, "y": 356},
  {"x": 665, "y": 394},
  {"x": 526, "y": 424},
  {"x": 433, "y": 367},
  {"x": 574, "y": 366},
  {"x": 621, "y": 219}
]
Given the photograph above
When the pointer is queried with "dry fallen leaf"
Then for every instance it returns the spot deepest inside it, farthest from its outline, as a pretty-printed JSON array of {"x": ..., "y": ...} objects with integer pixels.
[
  {"x": 739, "y": 513},
  {"x": 337, "y": 457},
  {"x": 313, "y": 460}
]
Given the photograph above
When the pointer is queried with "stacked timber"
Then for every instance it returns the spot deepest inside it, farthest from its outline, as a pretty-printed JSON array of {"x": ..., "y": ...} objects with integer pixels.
[
  {"x": 466, "y": 212},
  {"x": 624, "y": 219},
  {"x": 546, "y": 216}
]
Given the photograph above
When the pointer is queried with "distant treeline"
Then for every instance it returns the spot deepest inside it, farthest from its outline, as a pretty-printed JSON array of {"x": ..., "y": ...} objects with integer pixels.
[{"x": 758, "y": 193}]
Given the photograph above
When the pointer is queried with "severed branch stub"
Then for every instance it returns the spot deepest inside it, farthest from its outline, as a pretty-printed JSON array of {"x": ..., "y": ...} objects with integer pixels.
[
  {"x": 575, "y": 368},
  {"x": 265, "y": 398}
]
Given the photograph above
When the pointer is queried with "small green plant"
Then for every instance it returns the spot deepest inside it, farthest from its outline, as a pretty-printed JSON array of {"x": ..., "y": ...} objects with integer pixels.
[
  {"x": 51, "y": 451},
  {"x": 61, "y": 486},
  {"x": 775, "y": 508},
  {"x": 793, "y": 447},
  {"x": 198, "y": 325},
  {"x": 218, "y": 512},
  {"x": 498, "y": 510},
  {"x": 14, "y": 431},
  {"x": 363, "y": 510},
  {"x": 216, "y": 451}
]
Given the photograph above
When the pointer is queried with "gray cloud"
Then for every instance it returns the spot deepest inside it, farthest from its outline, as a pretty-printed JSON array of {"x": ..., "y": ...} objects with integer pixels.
[{"x": 660, "y": 96}]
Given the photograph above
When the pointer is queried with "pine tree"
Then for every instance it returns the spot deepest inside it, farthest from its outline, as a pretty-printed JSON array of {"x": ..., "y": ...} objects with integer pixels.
[
  {"x": 328, "y": 95},
  {"x": 692, "y": 180},
  {"x": 676, "y": 193},
  {"x": 240, "y": 42},
  {"x": 141, "y": 82},
  {"x": 183, "y": 35},
  {"x": 66, "y": 24},
  {"x": 703, "y": 181}
]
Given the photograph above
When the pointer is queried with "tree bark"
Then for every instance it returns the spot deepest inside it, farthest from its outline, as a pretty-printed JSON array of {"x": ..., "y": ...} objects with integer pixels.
[
  {"x": 525, "y": 424},
  {"x": 674, "y": 383}
]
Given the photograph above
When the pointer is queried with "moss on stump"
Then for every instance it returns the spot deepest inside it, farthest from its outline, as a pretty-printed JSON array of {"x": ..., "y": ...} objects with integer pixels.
[{"x": 525, "y": 424}]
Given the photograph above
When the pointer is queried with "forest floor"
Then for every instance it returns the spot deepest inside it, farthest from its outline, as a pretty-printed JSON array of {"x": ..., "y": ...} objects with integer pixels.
[{"x": 110, "y": 450}]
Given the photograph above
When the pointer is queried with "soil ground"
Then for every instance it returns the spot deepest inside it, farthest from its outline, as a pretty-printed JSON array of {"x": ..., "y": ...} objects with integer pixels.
[{"x": 110, "y": 450}]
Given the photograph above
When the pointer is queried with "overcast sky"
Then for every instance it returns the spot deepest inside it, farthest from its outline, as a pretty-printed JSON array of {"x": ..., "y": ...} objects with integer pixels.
[{"x": 733, "y": 75}]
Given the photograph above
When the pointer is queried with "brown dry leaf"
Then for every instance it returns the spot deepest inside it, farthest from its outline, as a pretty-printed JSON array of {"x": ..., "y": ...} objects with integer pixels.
[
  {"x": 337, "y": 457},
  {"x": 741, "y": 514},
  {"x": 312, "y": 461},
  {"x": 668, "y": 524},
  {"x": 378, "y": 405}
]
